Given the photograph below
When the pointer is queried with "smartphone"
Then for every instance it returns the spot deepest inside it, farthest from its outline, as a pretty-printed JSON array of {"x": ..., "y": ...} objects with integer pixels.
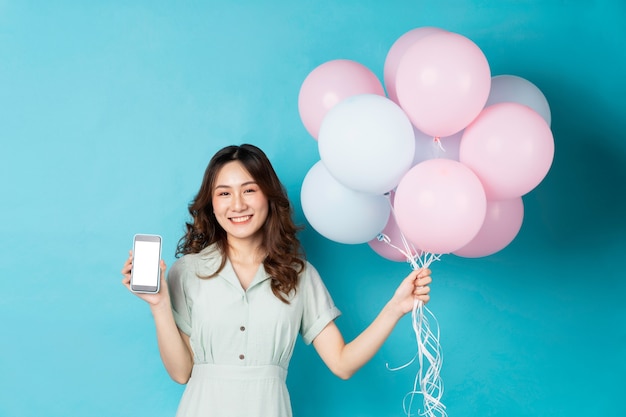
[{"x": 145, "y": 275}]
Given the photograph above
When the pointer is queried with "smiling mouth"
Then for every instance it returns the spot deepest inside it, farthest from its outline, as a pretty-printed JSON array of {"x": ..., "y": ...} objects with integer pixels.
[{"x": 240, "y": 219}]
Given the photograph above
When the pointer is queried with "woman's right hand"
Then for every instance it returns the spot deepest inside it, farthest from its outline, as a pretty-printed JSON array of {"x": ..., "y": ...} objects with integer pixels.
[
  {"x": 174, "y": 345},
  {"x": 153, "y": 299}
]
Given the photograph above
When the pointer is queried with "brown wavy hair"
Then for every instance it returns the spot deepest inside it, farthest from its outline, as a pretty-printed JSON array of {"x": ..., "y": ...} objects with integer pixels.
[{"x": 285, "y": 258}]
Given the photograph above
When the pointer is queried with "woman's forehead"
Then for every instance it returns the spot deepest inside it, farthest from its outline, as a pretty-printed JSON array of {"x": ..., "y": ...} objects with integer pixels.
[{"x": 232, "y": 174}]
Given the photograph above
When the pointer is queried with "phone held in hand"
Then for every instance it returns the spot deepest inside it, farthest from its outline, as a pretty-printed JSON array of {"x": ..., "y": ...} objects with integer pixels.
[{"x": 145, "y": 275}]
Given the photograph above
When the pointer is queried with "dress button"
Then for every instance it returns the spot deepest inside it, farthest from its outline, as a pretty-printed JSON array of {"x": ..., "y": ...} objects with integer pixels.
[
  {"x": 241, "y": 357},
  {"x": 242, "y": 328}
]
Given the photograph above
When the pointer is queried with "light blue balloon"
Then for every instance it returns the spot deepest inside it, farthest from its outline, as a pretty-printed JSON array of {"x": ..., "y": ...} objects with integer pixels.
[
  {"x": 367, "y": 143},
  {"x": 339, "y": 213},
  {"x": 514, "y": 89}
]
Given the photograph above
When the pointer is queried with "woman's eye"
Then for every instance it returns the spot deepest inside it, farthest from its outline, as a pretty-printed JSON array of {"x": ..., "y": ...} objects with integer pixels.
[{"x": 250, "y": 190}]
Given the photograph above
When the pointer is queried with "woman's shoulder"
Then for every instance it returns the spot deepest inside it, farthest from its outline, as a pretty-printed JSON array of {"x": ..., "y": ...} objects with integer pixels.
[
  {"x": 202, "y": 263},
  {"x": 309, "y": 272},
  {"x": 308, "y": 266}
]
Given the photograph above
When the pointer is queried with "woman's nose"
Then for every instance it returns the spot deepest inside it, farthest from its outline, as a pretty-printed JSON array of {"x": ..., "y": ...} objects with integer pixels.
[{"x": 238, "y": 202}]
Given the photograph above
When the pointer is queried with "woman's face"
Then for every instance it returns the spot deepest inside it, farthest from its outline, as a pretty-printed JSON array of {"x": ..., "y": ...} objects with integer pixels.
[{"x": 239, "y": 205}]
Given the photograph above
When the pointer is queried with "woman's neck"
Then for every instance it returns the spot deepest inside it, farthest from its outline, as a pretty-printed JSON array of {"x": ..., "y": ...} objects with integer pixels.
[{"x": 246, "y": 252}]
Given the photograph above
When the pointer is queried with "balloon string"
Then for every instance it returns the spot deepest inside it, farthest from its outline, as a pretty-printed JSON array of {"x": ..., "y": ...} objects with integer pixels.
[
  {"x": 410, "y": 253},
  {"x": 437, "y": 141},
  {"x": 429, "y": 355},
  {"x": 428, "y": 380}
]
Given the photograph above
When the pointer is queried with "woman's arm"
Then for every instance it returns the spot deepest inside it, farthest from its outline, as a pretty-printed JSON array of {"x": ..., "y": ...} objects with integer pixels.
[
  {"x": 174, "y": 345},
  {"x": 345, "y": 359}
]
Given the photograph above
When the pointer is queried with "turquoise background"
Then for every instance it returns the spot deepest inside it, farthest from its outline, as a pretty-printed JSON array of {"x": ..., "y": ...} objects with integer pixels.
[{"x": 110, "y": 111}]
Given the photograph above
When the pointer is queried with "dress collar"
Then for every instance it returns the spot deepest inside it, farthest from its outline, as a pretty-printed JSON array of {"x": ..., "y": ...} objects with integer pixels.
[{"x": 212, "y": 257}]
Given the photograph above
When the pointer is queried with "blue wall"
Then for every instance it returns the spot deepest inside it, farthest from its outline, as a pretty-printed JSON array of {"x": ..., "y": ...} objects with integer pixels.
[{"x": 111, "y": 110}]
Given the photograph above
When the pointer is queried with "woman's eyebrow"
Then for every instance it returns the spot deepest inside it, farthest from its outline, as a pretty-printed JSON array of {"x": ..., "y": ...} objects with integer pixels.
[{"x": 230, "y": 186}]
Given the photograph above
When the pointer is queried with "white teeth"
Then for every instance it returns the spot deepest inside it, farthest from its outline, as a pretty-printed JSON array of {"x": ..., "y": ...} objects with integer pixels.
[{"x": 240, "y": 219}]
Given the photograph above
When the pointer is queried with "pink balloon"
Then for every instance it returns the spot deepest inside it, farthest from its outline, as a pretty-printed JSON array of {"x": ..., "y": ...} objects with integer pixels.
[
  {"x": 396, "y": 52},
  {"x": 330, "y": 83},
  {"x": 442, "y": 83},
  {"x": 503, "y": 222},
  {"x": 510, "y": 147},
  {"x": 440, "y": 205},
  {"x": 388, "y": 250}
]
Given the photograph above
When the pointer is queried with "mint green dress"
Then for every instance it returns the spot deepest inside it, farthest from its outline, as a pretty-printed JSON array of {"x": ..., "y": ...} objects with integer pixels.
[{"x": 242, "y": 340}]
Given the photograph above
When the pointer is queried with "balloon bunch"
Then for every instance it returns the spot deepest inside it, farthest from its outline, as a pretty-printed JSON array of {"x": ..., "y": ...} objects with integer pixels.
[{"x": 438, "y": 165}]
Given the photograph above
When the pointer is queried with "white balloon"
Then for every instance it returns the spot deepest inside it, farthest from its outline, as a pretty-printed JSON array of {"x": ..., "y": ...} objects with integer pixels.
[
  {"x": 367, "y": 143},
  {"x": 340, "y": 213},
  {"x": 511, "y": 88}
]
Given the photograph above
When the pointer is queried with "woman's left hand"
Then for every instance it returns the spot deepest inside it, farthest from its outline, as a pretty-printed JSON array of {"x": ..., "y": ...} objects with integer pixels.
[{"x": 415, "y": 285}]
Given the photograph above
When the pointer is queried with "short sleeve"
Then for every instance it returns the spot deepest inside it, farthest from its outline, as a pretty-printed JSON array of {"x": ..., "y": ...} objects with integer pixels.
[
  {"x": 319, "y": 308},
  {"x": 181, "y": 305}
]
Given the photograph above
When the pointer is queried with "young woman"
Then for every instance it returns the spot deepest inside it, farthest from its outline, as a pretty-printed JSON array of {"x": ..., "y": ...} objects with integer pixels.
[{"x": 233, "y": 305}]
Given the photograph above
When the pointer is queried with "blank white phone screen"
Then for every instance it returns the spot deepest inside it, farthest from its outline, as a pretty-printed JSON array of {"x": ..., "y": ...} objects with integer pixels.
[{"x": 146, "y": 263}]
